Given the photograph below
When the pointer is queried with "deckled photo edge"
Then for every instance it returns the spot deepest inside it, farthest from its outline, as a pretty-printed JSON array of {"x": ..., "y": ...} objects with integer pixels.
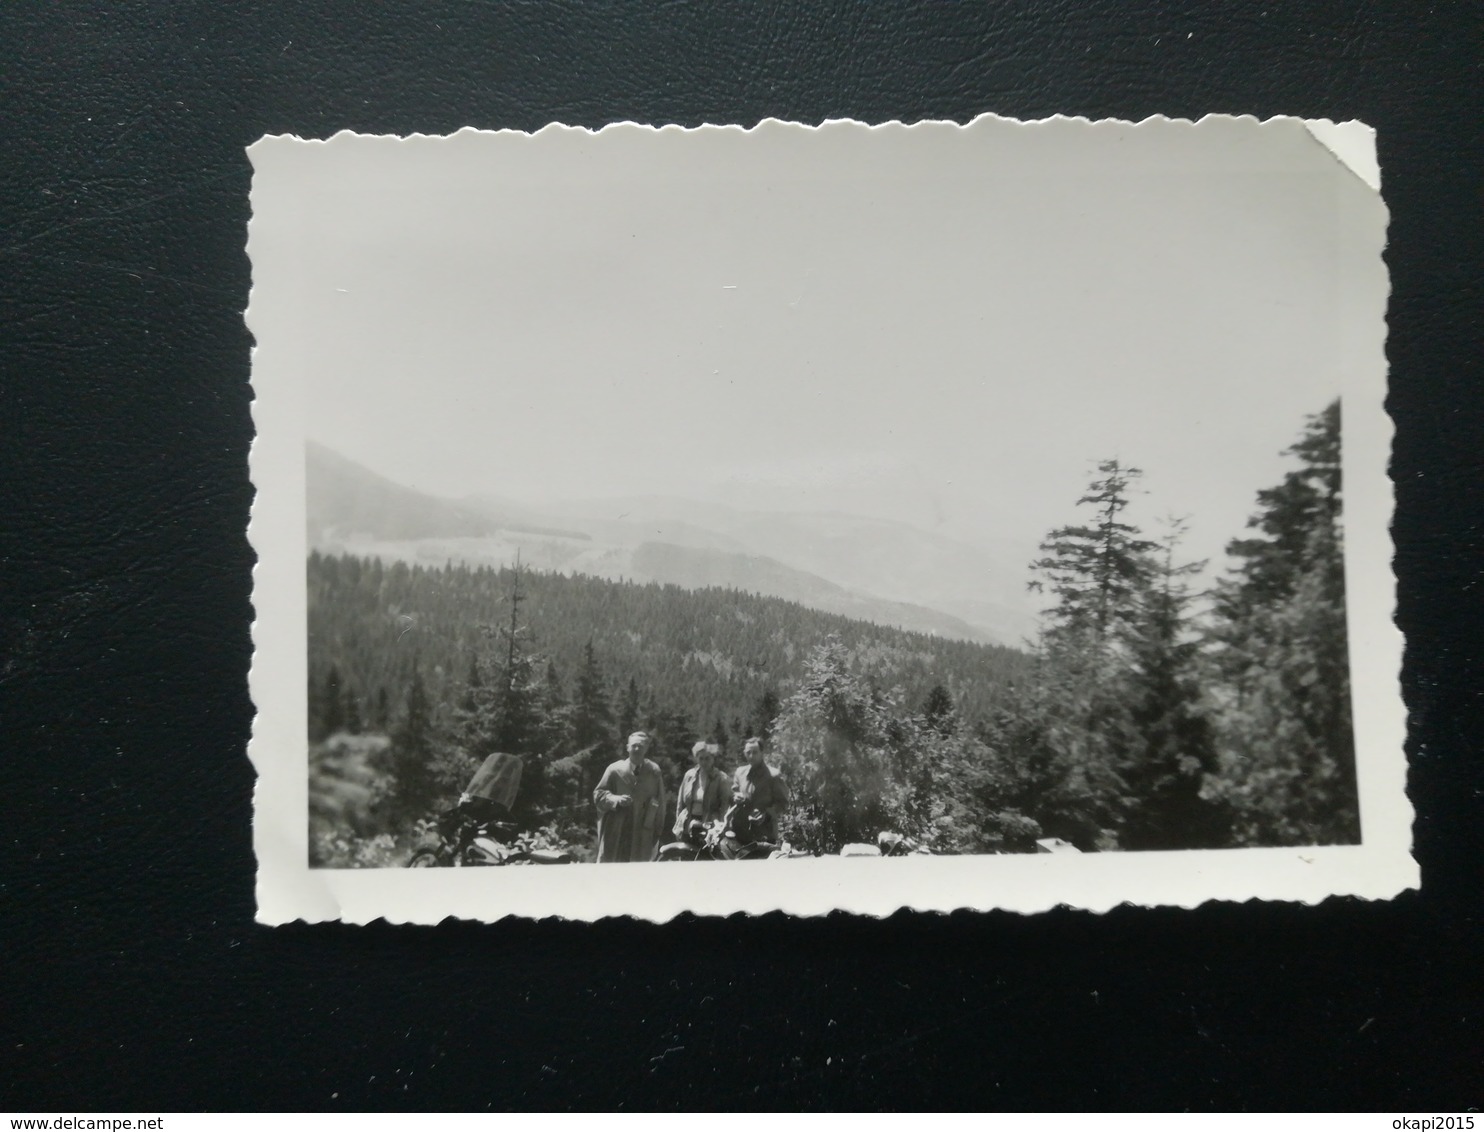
[{"x": 288, "y": 889}]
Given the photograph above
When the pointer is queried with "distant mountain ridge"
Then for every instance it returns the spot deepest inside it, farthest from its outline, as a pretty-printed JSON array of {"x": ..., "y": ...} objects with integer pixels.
[
  {"x": 872, "y": 570},
  {"x": 344, "y": 499}
]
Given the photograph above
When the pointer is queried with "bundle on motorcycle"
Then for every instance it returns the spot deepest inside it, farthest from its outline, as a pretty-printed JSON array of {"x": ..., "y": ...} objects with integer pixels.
[{"x": 478, "y": 829}]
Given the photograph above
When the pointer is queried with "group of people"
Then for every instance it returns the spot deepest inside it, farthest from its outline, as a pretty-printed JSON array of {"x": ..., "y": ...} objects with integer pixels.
[{"x": 631, "y": 798}]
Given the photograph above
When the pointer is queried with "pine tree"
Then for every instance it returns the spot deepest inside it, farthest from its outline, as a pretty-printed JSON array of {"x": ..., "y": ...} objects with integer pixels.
[
  {"x": 473, "y": 683},
  {"x": 415, "y": 786},
  {"x": 937, "y": 711},
  {"x": 1281, "y": 659},
  {"x": 417, "y": 720},
  {"x": 1100, "y": 573},
  {"x": 764, "y": 713},
  {"x": 1305, "y": 506},
  {"x": 673, "y": 736},
  {"x": 474, "y": 718},
  {"x": 556, "y": 714},
  {"x": 592, "y": 717},
  {"x": 516, "y": 694},
  {"x": 628, "y": 711},
  {"x": 1173, "y": 747},
  {"x": 1096, "y": 571},
  {"x": 332, "y": 705},
  {"x": 650, "y": 713},
  {"x": 517, "y": 718}
]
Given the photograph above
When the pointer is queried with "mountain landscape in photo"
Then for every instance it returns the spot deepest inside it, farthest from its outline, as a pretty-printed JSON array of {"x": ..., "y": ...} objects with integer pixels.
[{"x": 888, "y": 573}]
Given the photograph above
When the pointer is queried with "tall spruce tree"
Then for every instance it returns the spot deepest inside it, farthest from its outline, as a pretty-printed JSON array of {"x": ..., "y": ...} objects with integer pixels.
[
  {"x": 592, "y": 716},
  {"x": 472, "y": 683},
  {"x": 473, "y": 719},
  {"x": 1098, "y": 570},
  {"x": 416, "y": 786},
  {"x": 764, "y": 714},
  {"x": 1280, "y": 657},
  {"x": 499, "y": 708},
  {"x": 629, "y": 711},
  {"x": 555, "y": 714},
  {"x": 1099, "y": 573},
  {"x": 937, "y": 711},
  {"x": 516, "y": 725},
  {"x": 1173, "y": 748}
]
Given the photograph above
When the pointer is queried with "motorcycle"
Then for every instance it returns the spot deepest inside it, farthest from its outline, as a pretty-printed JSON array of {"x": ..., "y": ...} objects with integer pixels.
[
  {"x": 742, "y": 835},
  {"x": 899, "y": 845},
  {"x": 736, "y": 837},
  {"x": 699, "y": 841},
  {"x": 477, "y": 830}
]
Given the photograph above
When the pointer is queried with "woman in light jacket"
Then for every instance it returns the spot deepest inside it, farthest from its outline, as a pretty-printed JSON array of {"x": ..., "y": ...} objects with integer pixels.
[{"x": 704, "y": 790}]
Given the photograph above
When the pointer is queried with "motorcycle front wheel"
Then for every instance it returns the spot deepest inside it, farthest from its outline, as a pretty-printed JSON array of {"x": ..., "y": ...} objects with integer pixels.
[{"x": 424, "y": 859}]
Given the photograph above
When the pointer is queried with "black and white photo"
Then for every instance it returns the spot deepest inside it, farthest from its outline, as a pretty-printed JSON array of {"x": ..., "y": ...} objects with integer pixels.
[{"x": 808, "y": 518}]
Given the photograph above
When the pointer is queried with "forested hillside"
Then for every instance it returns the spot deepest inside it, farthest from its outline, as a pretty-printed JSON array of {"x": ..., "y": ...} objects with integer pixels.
[
  {"x": 869, "y": 570},
  {"x": 1147, "y": 717},
  {"x": 706, "y": 655}
]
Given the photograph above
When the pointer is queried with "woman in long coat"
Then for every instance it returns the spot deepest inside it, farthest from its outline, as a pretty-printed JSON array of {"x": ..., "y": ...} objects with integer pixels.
[{"x": 630, "y": 801}]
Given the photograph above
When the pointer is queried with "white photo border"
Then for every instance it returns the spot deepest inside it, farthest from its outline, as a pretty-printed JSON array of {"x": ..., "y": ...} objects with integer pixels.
[{"x": 288, "y": 889}]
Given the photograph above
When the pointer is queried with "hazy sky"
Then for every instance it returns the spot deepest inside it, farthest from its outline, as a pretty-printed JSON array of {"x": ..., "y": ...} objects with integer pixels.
[{"x": 942, "y": 325}]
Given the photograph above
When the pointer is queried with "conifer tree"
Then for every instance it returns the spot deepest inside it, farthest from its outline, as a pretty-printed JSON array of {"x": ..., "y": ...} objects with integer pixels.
[
  {"x": 764, "y": 713},
  {"x": 417, "y": 720},
  {"x": 937, "y": 711},
  {"x": 1172, "y": 749},
  {"x": 515, "y": 727},
  {"x": 415, "y": 782},
  {"x": 628, "y": 711},
  {"x": 555, "y": 714},
  {"x": 1098, "y": 570},
  {"x": 474, "y": 716},
  {"x": 472, "y": 684},
  {"x": 1099, "y": 574},
  {"x": 1291, "y": 516},
  {"x": 673, "y": 738},
  {"x": 592, "y": 717},
  {"x": 1281, "y": 656},
  {"x": 332, "y": 704}
]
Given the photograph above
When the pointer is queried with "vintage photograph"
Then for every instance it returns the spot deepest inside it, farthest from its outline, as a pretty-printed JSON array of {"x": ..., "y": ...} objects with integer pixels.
[{"x": 753, "y": 505}]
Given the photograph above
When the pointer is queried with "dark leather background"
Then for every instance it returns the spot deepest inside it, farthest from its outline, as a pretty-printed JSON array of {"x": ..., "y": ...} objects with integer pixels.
[{"x": 132, "y": 975}]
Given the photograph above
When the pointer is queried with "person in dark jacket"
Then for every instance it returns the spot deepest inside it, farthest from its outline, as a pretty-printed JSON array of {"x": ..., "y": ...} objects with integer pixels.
[{"x": 759, "y": 786}]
